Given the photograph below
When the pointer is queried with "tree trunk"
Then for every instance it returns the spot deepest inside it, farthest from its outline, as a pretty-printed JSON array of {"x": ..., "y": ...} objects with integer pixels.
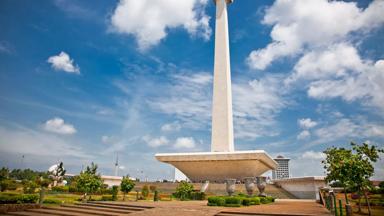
[
  {"x": 359, "y": 193},
  {"x": 366, "y": 199},
  {"x": 124, "y": 196},
  {"x": 42, "y": 195},
  {"x": 346, "y": 196}
]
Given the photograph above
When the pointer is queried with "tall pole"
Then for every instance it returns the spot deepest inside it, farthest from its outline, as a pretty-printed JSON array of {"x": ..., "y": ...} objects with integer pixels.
[{"x": 222, "y": 122}]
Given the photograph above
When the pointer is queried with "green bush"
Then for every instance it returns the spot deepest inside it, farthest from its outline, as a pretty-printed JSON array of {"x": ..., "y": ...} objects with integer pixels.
[
  {"x": 8, "y": 198},
  {"x": 145, "y": 191},
  {"x": 115, "y": 190},
  {"x": 156, "y": 196},
  {"x": 233, "y": 200},
  {"x": 263, "y": 200},
  {"x": 255, "y": 201},
  {"x": 62, "y": 189},
  {"x": 216, "y": 201},
  {"x": 184, "y": 190},
  {"x": 197, "y": 196},
  {"x": 107, "y": 198},
  {"x": 232, "y": 205},
  {"x": 29, "y": 187},
  {"x": 7, "y": 184},
  {"x": 52, "y": 201},
  {"x": 246, "y": 202}
]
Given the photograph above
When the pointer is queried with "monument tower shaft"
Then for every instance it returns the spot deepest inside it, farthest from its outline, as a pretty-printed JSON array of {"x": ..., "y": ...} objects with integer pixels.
[{"x": 222, "y": 122}]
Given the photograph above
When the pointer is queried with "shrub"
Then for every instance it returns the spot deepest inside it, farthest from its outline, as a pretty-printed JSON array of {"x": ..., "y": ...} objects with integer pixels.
[
  {"x": 263, "y": 200},
  {"x": 7, "y": 198},
  {"x": 52, "y": 201},
  {"x": 107, "y": 198},
  {"x": 7, "y": 184},
  {"x": 255, "y": 201},
  {"x": 216, "y": 201},
  {"x": 232, "y": 205},
  {"x": 197, "y": 196},
  {"x": 156, "y": 196},
  {"x": 145, "y": 191},
  {"x": 184, "y": 190},
  {"x": 29, "y": 187},
  {"x": 246, "y": 201},
  {"x": 115, "y": 190},
  {"x": 233, "y": 200},
  {"x": 63, "y": 189}
]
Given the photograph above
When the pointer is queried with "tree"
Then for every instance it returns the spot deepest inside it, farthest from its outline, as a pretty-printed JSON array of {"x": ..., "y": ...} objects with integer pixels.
[
  {"x": 126, "y": 185},
  {"x": 333, "y": 164},
  {"x": 352, "y": 168},
  {"x": 4, "y": 173},
  {"x": 184, "y": 190},
  {"x": 43, "y": 182},
  {"x": 57, "y": 175},
  {"x": 89, "y": 181}
]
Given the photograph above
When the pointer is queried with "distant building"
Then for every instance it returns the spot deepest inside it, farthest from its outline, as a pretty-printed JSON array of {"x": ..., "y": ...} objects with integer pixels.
[{"x": 282, "y": 171}]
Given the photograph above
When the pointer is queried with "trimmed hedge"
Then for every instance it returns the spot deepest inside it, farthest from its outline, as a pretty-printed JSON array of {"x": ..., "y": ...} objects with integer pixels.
[
  {"x": 216, "y": 201},
  {"x": 108, "y": 198},
  {"x": 61, "y": 189},
  {"x": 237, "y": 201},
  {"x": 8, "y": 198},
  {"x": 52, "y": 201}
]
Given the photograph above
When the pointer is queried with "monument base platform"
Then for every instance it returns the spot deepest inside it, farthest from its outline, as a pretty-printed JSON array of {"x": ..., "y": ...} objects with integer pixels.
[{"x": 218, "y": 166}]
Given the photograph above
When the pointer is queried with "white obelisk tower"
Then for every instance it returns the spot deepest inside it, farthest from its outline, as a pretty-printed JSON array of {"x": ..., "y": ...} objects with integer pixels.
[{"x": 222, "y": 122}]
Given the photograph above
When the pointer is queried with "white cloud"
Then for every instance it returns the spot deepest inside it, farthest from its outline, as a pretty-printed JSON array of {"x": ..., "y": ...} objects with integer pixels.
[
  {"x": 346, "y": 129},
  {"x": 185, "y": 142},
  {"x": 22, "y": 140},
  {"x": 149, "y": 20},
  {"x": 63, "y": 62},
  {"x": 366, "y": 85},
  {"x": 299, "y": 25},
  {"x": 305, "y": 134},
  {"x": 256, "y": 105},
  {"x": 175, "y": 126},
  {"x": 57, "y": 125},
  {"x": 306, "y": 123},
  {"x": 108, "y": 139},
  {"x": 155, "y": 142},
  {"x": 312, "y": 155},
  {"x": 189, "y": 99}
]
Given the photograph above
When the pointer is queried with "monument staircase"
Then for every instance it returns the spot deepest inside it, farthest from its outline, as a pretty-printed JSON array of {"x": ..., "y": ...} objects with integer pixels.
[
  {"x": 278, "y": 192},
  {"x": 84, "y": 209}
]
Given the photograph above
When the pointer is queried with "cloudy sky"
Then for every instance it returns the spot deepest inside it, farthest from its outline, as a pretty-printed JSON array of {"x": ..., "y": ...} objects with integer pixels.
[{"x": 81, "y": 81}]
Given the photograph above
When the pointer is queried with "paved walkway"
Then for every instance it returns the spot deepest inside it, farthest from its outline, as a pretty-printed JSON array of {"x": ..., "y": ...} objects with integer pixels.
[
  {"x": 197, "y": 208},
  {"x": 178, "y": 208}
]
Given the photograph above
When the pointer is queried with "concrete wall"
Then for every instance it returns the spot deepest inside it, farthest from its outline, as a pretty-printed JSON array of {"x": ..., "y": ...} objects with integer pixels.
[{"x": 303, "y": 187}]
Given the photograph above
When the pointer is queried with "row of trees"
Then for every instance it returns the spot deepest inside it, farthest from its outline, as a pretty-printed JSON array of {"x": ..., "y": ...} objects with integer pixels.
[
  {"x": 88, "y": 181},
  {"x": 352, "y": 168}
]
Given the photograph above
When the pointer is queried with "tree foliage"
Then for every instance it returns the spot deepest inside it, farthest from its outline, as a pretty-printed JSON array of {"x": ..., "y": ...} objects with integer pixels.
[
  {"x": 89, "y": 181},
  {"x": 352, "y": 167},
  {"x": 126, "y": 185},
  {"x": 184, "y": 190}
]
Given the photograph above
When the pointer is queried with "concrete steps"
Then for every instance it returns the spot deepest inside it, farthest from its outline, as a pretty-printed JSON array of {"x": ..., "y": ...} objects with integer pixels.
[
  {"x": 84, "y": 209},
  {"x": 108, "y": 206},
  {"x": 277, "y": 192},
  {"x": 96, "y": 208}
]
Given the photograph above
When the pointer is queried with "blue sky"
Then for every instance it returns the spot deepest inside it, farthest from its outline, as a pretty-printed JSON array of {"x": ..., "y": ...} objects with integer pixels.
[{"x": 81, "y": 81}]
